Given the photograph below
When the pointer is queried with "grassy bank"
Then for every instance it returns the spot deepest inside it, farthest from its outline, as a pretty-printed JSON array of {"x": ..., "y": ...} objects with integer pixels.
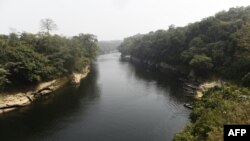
[{"x": 229, "y": 104}]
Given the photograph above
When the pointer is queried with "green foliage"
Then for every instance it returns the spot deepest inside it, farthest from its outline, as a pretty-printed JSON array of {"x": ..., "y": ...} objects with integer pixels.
[
  {"x": 240, "y": 62},
  {"x": 201, "y": 63},
  {"x": 26, "y": 65},
  {"x": 219, "y": 44},
  {"x": 227, "y": 105},
  {"x": 32, "y": 58},
  {"x": 3, "y": 78}
]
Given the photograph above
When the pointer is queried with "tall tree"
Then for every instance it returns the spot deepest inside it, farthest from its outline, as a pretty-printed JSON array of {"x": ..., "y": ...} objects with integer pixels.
[{"x": 48, "y": 25}]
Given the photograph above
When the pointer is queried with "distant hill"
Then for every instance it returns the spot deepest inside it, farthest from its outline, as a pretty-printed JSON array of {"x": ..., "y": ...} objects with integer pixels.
[{"x": 108, "y": 46}]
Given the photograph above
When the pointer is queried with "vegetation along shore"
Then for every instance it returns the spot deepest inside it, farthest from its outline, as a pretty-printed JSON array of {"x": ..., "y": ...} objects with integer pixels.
[
  {"x": 33, "y": 65},
  {"x": 216, "y": 49}
]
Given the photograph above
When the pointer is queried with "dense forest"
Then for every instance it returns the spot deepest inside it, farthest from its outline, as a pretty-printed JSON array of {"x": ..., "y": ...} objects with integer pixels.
[
  {"x": 108, "y": 46},
  {"x": 218, "y": 45},
  {"x": 27, "y": 58}
]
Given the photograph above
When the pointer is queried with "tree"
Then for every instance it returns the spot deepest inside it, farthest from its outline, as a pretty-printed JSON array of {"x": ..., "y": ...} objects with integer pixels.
[
  {"x": 48, "y": 25},
  {"x": 218, "y": 44},
  {"x": 201, "y": 63}
]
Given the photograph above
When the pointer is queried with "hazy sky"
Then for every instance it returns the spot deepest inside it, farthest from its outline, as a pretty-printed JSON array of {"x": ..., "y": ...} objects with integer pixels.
[{"x": 108, "y": 19}]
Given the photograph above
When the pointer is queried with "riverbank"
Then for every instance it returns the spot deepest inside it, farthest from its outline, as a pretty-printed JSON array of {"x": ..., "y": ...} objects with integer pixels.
[
  {"x": 12, "y": 101},
  {"x": 163, "y": 67},
  {"x": 158, "y": 67},
  {"x": 193, "y": 86},
  {"x": 214, "y": 100},
  {"x": 228, "y": 104},
  {"x": 204, "y": 87}
]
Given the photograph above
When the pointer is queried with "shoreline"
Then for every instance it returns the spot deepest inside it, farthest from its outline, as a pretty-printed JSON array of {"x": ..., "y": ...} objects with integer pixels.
[
  {"x": 13, "y": 101},
  {"x": 192, "y": 86}
]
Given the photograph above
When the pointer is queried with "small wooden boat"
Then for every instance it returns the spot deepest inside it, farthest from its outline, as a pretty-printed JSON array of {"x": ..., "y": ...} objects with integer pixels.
[
  {"x": 188, "y": 105},
  {"x": 192, "y": 86},
  {"x": 188, "y": 89}
]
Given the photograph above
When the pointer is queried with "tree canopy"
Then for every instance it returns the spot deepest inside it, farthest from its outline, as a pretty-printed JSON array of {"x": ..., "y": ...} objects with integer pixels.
[
  {"x": 218, "y": 44},
  {"x": 30, "y": 58}
]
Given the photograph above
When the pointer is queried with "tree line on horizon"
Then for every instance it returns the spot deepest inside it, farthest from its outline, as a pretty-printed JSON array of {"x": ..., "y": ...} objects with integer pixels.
[
  {"x": 218, "y": 45},
  {"x": 108, "y": 46}
]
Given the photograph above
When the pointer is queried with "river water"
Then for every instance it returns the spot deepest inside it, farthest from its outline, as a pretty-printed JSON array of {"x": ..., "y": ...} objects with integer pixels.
[{"x": 118, "y": 101}]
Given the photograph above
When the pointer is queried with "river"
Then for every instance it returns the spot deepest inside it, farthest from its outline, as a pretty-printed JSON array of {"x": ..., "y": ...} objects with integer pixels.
[{"x": 118, "y": 101}]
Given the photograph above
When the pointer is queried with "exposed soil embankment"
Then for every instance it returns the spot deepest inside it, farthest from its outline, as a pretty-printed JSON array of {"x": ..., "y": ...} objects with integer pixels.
[
  {"x": 206, "y": 86},
  {"x": 9, "y": 102}
]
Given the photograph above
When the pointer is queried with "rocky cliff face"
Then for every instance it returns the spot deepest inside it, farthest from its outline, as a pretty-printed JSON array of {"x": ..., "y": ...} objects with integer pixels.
[{"x": 78, "y": 76}]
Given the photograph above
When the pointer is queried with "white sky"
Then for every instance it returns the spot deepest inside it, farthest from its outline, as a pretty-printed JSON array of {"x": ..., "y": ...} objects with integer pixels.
[{"x": 108, "y": 19}]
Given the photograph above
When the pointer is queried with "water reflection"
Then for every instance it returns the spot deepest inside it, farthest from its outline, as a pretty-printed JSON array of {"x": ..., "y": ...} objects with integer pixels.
[
  {"x": 49, "y": 115},
  {"x": 169, "y": 82},
  {"x": 117, "y": 101}
]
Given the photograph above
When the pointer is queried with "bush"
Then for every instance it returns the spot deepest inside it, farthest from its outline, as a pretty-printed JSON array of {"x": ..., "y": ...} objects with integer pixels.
[
  {"x": 201, "y": 63},
  {"x": 219, "y": 106},
  {"x": 31, "y": 58}
]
